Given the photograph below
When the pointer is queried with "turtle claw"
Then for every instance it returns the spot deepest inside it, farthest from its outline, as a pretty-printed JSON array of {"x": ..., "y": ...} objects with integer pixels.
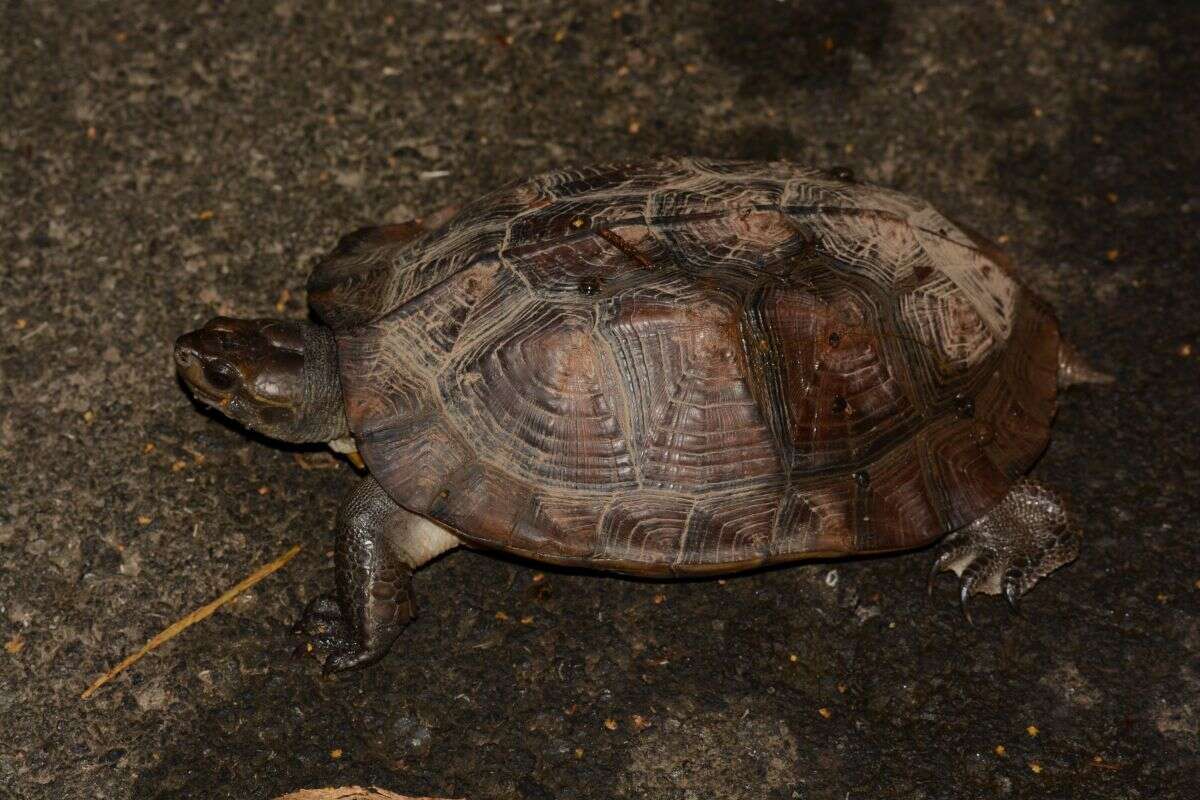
[
  {"x": 964, "y": 594},
  {"x": 351, "y": 658},
  {"x": 326, "y": 631},
  {"x": 334, "y": 640},
  {"x": 319, "y": 646},
  {"x": 1008, "y": 550},
  {"x": 1012, "y": 590},
  {"x": 939, "y": 564},
  {"x": 319, "y": 615}
]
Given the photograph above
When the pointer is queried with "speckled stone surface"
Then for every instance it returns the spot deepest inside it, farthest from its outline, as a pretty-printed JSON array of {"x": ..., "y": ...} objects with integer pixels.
[{"x": 163, "y": 162}]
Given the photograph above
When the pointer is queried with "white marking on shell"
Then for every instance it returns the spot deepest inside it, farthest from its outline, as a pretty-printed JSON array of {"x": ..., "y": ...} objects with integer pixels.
[
  {"x": 943, "y": 319},
  {"x": 991, "y": 292}
]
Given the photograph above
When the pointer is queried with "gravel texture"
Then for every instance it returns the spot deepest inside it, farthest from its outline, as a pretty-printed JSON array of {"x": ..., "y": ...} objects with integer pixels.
[{"x": 163, "y": 162}]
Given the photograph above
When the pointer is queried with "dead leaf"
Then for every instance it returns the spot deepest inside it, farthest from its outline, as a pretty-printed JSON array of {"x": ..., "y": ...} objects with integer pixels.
[{"x": 350, "y": 793}]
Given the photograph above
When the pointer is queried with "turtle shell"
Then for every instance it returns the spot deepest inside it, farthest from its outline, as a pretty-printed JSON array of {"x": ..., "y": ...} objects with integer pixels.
[{"x": 690, "y": 366}]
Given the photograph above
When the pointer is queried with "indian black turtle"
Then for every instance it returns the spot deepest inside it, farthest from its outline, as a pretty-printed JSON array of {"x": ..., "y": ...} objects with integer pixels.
[{"x": 675, "y": 367}]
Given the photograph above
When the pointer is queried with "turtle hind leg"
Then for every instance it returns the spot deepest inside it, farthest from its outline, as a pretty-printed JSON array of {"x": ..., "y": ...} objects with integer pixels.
[
  {"x": 379, "y": 544},
  {"x": 1023, "y": 539}
]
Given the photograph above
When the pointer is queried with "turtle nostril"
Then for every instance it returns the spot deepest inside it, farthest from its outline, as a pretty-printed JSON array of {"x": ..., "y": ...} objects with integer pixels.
[{"x": 184, "y": 356}]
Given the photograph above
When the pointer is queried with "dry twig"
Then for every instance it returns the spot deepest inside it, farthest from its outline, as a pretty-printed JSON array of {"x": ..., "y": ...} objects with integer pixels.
[{"x": 180, "y": 625}]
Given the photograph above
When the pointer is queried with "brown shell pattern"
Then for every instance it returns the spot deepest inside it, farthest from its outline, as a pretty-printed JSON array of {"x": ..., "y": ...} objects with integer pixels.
[{"x": 690, "y": 366}]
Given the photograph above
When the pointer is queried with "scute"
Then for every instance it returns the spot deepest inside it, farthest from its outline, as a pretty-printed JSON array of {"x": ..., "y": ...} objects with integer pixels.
[
  {"x": 691, "y": 366},
  {"x": 542, "y": 398},
  {"x": 694, "y": 421}
]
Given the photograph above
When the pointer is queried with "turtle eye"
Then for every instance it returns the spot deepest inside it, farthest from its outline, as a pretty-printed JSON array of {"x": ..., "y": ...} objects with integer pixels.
[{"x": 221, "y": 375}]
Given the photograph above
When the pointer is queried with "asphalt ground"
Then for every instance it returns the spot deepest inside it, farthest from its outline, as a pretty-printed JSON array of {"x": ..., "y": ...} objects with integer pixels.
[{"x": 164, "y": 162}]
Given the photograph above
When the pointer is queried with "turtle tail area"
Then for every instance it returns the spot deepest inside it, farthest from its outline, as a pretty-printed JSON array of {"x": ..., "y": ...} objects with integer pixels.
[{"x": 1074, "y": 371}]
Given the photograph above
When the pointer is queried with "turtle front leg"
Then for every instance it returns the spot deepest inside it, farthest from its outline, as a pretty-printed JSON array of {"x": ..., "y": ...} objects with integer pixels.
[
  {"x": 1009, "y": 549},
  {"x": 379, "y": 544}
]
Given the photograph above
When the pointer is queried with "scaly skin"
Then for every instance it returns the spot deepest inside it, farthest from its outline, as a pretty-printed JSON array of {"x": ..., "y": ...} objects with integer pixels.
[
  {"x": 379, "y": 545},
  {"x": 1023, "y": 539}
]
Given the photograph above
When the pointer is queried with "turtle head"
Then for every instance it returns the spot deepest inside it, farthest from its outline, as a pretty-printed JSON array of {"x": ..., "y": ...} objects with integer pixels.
[{"x": 278, "y": 377}]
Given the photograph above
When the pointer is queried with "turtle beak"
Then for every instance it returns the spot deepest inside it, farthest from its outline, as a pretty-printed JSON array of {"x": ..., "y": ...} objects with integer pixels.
[{"x": 211, "y": 377}]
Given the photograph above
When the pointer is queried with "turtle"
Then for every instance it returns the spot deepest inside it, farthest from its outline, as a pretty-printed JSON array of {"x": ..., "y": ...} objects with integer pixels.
[{"x": 674, "y": 367}]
